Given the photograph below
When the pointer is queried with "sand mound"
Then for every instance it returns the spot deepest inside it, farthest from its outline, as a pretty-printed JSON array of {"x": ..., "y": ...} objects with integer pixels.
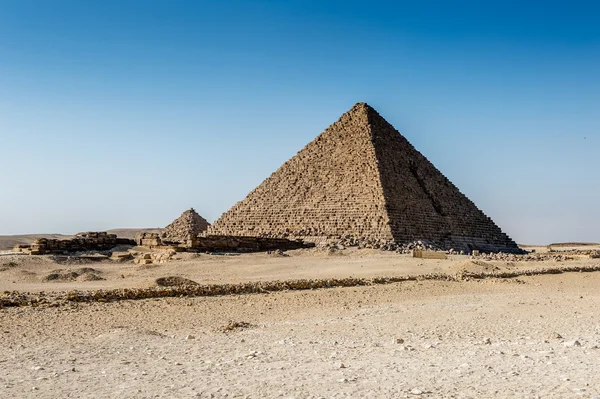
[
  {"x": 87, "y": 270},
  {"x": 474, "y": 266},
  {"x": 173, "y": 281},
  {"x": 89, "y": 277},
  {"x": 8, "y": 265},
  {"x": 82, "y": 274}
]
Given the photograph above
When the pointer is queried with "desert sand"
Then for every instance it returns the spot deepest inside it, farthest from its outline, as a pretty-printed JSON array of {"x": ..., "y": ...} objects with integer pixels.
[{"x": 535, "y": 336}]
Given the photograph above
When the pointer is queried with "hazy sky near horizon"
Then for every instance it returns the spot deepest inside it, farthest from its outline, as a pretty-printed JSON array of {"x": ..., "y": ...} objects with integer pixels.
[{"x": 126, "y": 113}]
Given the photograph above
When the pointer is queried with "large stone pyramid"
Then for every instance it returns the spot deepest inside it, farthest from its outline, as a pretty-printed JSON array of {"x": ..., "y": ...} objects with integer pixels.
[
  {"x": 185, "y": 227},
  {"x": 362, "y": 181}
]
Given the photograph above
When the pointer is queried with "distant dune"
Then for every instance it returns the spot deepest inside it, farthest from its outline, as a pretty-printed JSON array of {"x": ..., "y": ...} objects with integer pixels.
[
  {"x": 8, "y": 242},
  {"x": 574, "y": 244}
]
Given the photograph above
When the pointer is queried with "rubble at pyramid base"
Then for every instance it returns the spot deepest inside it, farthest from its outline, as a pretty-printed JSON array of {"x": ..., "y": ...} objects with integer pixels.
[{"x": 458, "y": 245}]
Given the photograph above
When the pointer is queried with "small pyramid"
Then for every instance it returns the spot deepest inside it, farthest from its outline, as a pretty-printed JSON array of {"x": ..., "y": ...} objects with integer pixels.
[
  {"x": 185, "y": 227},
  {"x": 362, "y": 181}
]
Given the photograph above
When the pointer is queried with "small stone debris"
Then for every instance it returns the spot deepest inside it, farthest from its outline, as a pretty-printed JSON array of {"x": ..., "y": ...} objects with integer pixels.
[
  {"x": 416, "y": 391},
  {"x": 555, "y": 335},
  {"x": 277, "y": 253},
  {"x": 340, "y": 365},
  {"x": 572, "y": 343},
  {"x": 235, "y": 325},
  {"x": 399, "y": 341},
  {"x": 487, "y": 341},
  {"x": 189, "y": 337}
]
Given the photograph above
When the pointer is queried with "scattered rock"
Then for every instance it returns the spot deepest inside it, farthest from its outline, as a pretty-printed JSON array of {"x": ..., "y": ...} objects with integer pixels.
[
  {"x": 235, "y": 325},
  {"x": 555, "y": 335},
  {"x": 82, "y": 274},
  {"x": 277, "y": 253}
]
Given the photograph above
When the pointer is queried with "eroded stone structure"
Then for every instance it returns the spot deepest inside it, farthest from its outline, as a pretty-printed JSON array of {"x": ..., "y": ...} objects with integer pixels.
[
  {"x": 89, "y": 241},
  {"x": 186, "y": 227},
  {"x": 212, "y": 243},
  {"x": 361, "y": 181}
]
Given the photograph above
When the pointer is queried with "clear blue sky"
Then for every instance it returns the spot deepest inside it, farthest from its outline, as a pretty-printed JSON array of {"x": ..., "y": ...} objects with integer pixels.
[{"x": 126, "y": 113}]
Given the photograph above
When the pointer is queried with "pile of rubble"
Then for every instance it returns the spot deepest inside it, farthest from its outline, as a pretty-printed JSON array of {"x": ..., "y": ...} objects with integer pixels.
[
  {"x": 89, "y": 241},
  {"x": 147, "y": 258},
  {"x": 533, "y": 257},
  {"x": 386, "y": 245}
]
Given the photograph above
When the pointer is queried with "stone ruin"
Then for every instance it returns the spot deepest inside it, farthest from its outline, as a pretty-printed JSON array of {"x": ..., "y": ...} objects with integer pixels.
[
  {"x": 188, "y": 233},
  {"x": 89, "y": 241},
  {"x": 361, "y": 183},
  {"x": 214, "y": 243},
  {"x": 185, "y": 228}
]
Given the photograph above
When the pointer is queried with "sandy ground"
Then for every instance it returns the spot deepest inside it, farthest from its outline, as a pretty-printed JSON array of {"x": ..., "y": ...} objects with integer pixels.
[
  {"x": 523, "y": 337},
  {"x": 30, "y": 273},
  {"x": 489, "y": 338}
]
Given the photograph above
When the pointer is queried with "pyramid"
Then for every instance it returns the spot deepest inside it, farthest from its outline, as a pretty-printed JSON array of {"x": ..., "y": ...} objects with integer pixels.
[
  {"x": 185, "y": 227},
  {"x": 362, "y": 181}
]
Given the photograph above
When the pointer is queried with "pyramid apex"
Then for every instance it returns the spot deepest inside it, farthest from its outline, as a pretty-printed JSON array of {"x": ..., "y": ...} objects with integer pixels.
[{"x": 361, "y": 105}]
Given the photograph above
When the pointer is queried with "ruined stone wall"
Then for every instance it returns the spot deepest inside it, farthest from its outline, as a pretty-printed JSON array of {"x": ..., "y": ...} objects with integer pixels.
[
  {"x": 88, "y": 241},
  {"x": 246, "y": 244},
  {"x": 331, "y": 188},
  {"x": 223, "y": 243},
  {"x": 148, "y": 240}
]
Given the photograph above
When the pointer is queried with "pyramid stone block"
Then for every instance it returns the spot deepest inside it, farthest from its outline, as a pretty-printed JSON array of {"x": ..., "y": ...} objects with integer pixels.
[{"x": 362, "y": 181}]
